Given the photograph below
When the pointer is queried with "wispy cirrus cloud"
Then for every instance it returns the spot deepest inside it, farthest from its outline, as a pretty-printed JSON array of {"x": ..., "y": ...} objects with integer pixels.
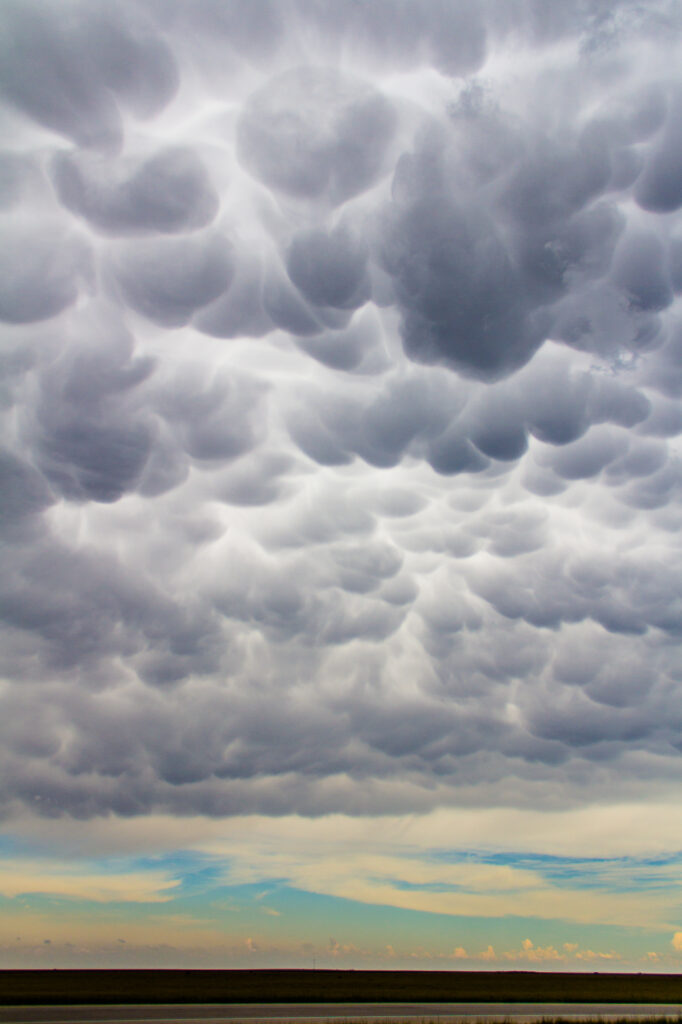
[{"x": 21, "y": 877}]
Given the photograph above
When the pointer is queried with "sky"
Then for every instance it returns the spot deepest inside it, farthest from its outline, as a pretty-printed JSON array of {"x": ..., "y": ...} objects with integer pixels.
[{"x": 341, "y": 490}]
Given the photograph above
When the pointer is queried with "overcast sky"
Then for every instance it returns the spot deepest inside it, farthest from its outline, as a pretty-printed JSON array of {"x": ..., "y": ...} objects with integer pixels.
[{"x": 341, "y": 600}]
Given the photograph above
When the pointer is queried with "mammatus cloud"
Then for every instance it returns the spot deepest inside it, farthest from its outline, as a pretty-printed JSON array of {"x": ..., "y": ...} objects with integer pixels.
[{"x": 341, "y": 379}]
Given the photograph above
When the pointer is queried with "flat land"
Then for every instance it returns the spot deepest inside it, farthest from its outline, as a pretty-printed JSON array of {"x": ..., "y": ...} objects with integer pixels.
[
  {"x": 71, "y": 987},
  {"x": 345, "y": 1013}
]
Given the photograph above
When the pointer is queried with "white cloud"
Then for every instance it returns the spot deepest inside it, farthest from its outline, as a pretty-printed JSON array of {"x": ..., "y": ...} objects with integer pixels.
[{"x": 23, "y": 878}]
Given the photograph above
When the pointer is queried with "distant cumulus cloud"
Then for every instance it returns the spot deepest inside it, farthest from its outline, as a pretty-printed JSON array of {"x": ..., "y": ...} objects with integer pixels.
[{"x": 342, "y": 364}]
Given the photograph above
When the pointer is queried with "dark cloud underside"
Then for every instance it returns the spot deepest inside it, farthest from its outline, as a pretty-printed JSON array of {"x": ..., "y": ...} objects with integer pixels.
[{"x": 341, "y": 378}]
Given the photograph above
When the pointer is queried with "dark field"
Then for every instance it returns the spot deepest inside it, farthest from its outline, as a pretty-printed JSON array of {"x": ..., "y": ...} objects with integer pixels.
[
  {"x": 213, "y": 1014},
  {"x": 25, "y": 987}
]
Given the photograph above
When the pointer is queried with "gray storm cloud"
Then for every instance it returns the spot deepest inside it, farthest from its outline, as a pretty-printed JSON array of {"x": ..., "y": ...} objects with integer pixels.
[{"x": 341, "y": 378}]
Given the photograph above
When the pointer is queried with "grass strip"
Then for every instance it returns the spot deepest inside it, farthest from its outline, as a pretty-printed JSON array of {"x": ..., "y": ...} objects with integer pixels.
[{"x": 23, "y": 987}]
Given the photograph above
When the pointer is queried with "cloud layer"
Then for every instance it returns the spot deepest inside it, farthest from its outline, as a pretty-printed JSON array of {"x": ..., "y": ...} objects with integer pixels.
[{"x": 342, "y": 361}]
